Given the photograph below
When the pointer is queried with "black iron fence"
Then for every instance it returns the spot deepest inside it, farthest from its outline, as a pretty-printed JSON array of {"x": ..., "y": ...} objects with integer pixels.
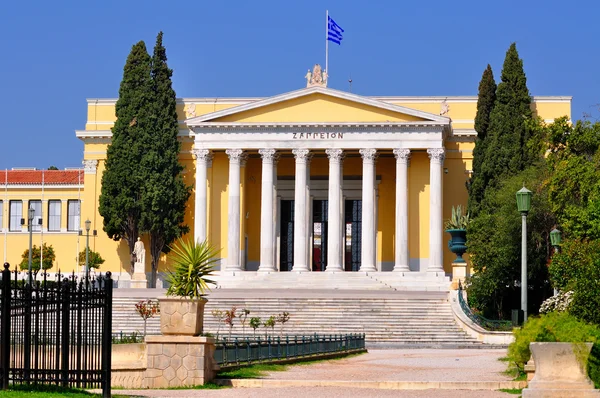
[
  {"x": 238, "y": 351},
  {"x": 55, "y": 331},
  {"x": 488, "y": 324}
]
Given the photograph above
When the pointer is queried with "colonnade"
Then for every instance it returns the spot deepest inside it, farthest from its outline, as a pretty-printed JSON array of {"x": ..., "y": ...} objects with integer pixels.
[{"x": 301, "y": 195}]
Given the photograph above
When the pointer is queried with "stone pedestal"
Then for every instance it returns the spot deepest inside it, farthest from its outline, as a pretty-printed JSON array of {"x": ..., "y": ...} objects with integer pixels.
[
  {"x": 530, "y": 369},
  {"x": 459, "y": 273},
  {"x": 179, "y": 361},
  {"x": 560, "y": 371},
  {"x": 138, "y": 279}
]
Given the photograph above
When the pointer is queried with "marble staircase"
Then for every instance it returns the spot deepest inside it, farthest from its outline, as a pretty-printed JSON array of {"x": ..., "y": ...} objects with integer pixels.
[{"x": 389, "y": 318}]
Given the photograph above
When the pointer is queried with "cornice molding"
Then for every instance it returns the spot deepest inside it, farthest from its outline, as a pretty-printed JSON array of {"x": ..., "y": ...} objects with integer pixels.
[{"x": 317, "y": 90}]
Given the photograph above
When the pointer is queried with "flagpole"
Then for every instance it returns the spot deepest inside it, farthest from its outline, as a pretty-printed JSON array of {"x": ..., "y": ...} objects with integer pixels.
[{"x": 326, "y": 42}]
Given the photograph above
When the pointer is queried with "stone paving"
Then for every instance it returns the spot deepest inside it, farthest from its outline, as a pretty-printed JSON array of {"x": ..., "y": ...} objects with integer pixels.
[
  {"x": 429, "y": 365},
  {"x": 406, "y": 365}
]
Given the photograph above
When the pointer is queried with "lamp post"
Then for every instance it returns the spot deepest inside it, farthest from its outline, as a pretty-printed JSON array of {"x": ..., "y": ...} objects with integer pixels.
[
  {"x": 88, "y": 225},
  {"x": 555, "y": 238},
  {"x": 524, "y": 205},
  {"x": 30, "y": 214}
]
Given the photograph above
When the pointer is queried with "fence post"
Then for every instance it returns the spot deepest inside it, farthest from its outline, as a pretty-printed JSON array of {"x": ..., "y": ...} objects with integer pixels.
[
  {"x": 5, "y": 322},
  {"x": 107, "y": 335},
  {"x": 66, "y": 338}
]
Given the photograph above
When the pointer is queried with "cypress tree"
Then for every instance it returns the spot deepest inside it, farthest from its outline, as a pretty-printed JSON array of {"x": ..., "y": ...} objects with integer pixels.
[
  {"x": 122, "y": 181},
  {"x": 485, "y": 103},
  {"x": 507, "y": 135},
  {"x": 164, "y": 195}
]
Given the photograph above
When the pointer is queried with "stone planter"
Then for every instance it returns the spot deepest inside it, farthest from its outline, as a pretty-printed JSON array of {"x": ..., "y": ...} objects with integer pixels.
[
  {"x": 181, "y": 316},
  {"x": 458, "y": 243},
  {"x": 560, "y": 371}
]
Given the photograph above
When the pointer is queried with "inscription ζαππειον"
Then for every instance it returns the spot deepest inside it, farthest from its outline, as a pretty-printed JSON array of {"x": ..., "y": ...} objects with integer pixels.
[{"x": 318, "y": 136}]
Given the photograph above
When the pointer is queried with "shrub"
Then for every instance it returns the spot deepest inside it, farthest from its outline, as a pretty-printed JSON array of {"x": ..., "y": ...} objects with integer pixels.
[
  {"x": 556, "y": 327},
  {"x": 48, "y": 258},
  {"x": 577, "y": 268},
  {"x": 255, "y": 323},
  {"x": 94, "y": 259},
  {"x": 558, "y": 303}
]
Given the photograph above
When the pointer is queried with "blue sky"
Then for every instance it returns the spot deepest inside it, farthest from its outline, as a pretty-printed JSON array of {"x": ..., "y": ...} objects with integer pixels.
[{"x": 58, "y": 53}]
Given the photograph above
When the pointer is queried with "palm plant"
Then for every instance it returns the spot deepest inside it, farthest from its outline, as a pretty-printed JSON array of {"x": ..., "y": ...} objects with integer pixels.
[{"x": 193, "y": 264}]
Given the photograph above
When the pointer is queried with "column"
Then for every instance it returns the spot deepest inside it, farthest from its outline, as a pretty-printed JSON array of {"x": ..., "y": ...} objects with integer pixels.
[
  {"x": 233, "y": 231},
  {"x": 203, "y": 158},
  {"x": 367, "y": 261},
  {"x": 334, "y": 221},
  {"x": 437, "y": 156},
  {"x": 300, "y": 204},
  {"x": 267, "y": 263},
  {"x": 401, "y": 253}
]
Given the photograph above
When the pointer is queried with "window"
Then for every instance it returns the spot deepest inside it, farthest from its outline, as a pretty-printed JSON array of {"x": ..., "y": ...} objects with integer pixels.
[
  {"x": 54, "y": 210},
  {"x": 16, "y": 213},
  {"x": 36, "y": 205},
  {"x": 1, "y": 215},
  {"x": 73, "y": 213}
]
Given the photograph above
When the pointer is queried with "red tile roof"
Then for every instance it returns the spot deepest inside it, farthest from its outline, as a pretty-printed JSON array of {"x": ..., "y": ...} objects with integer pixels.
[{"x": 34, "y": 177}]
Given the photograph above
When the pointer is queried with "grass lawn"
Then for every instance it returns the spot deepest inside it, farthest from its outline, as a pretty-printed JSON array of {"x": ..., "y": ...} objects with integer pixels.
[
  {"x": 41, "y": 391},
  {"x": 512, "y": 390},
  {"x": 259, "y": 370}
]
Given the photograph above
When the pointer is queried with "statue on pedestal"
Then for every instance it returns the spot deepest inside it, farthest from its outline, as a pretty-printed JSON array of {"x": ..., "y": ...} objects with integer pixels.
[{"x": 139, "y": 268}]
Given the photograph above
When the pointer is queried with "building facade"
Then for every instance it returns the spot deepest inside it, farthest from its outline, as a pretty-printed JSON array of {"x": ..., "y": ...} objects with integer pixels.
[{"x": 311, "y": 180}]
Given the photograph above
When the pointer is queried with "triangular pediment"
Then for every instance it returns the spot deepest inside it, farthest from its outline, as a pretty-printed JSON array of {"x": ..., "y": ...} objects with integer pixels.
[{"x": 317, "y": 105}]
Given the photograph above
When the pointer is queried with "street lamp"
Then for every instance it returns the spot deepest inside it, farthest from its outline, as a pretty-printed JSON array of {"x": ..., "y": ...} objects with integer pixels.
[
  {"x": 31, "y": 214},
  {"x": 555, "y": 238},
  {"x": 88, "y": 226},
  {"x": 524, "y": 205}
]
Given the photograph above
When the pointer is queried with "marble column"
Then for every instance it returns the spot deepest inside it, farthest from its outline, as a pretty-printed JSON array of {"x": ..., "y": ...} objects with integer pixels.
[
  {"x": 203, "y": 158},
  {"x": 401, "y": 253},
  {"x": 236, "y": 157},
  {"x": 300, "y": 214},
  {"x": 436, "y": 156},
  {"x": 334, "y": 221},
  {"x": 367, "y": 262},
  {"x": 267, "y": 263}
]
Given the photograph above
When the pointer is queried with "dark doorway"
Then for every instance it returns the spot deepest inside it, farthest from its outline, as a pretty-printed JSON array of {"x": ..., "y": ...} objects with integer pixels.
[
  {"x": 319, "y": 226},
  {"x": 353, "y": 234},
  {"x": 287, "y": 235}
]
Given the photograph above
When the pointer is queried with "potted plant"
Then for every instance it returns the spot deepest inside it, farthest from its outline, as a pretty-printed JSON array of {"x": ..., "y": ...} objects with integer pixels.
[
  {"x": 456, "y": 226},
  {"x": 182, "y": 310}
]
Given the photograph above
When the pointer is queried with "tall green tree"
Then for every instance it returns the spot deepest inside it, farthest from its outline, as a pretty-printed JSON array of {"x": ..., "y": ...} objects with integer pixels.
[
  {"x": 485, "y": 103},
  {"x": 495, "y": 246},
  {"x": 506, "y": 151},
  {"x": 124, "y": 176},
  {"x": 574, "y": 182},
  {"x": 164, "y": 192}
]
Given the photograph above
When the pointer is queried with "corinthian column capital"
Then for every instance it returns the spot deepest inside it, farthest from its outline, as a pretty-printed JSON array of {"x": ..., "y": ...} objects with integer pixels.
[
  {"x": 335, "y": 155},
  {"x": 402, "y": 155},
  {"x": 437, "y": 154},
  {"x": 202, "y": 154},
  {"x": 302, "y": 155},
  {"x": 368, "y": 155}
]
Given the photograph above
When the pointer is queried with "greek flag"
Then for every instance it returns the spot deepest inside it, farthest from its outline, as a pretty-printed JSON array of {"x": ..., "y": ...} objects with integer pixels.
[{"x": 334, "y": 31}]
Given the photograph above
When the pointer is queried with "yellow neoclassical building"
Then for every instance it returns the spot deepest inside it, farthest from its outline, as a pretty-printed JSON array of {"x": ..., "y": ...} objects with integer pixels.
[{"x": 310, "y": 180}]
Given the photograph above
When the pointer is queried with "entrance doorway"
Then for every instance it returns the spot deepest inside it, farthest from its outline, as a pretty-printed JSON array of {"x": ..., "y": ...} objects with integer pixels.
[
  {"x": 287, "y": 235},
  {"x": 353, "y": 230},
  {"x": 319, "y": 229}
]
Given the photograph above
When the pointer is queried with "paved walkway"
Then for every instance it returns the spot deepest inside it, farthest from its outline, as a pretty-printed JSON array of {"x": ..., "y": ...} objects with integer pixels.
[{"x": 453, "y": 366}]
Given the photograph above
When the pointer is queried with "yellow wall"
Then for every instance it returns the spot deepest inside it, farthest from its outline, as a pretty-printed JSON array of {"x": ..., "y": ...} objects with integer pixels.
[
  {"x": 312, "y": 108},
  {"x": 65, "y": 244}
]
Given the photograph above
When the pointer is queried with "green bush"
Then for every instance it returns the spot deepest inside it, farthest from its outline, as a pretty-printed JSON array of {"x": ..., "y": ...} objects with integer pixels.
[
  {"x": 577, "y": 268},
  {"x": 556, "y": 327}
]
